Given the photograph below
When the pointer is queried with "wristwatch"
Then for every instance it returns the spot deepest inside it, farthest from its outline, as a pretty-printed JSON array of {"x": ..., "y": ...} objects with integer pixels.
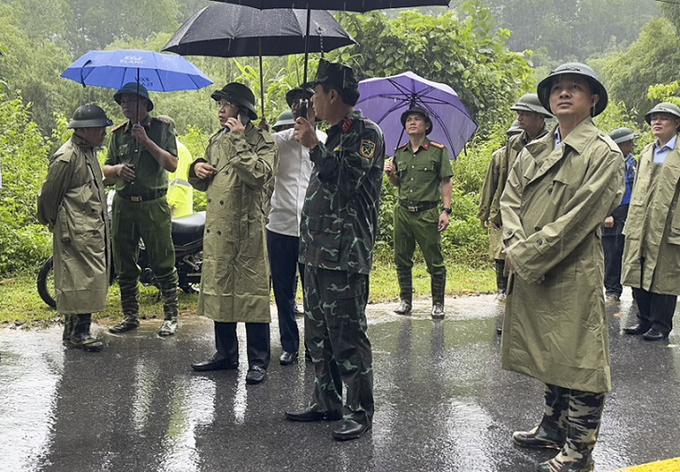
[{"x": 448, "y": 211}]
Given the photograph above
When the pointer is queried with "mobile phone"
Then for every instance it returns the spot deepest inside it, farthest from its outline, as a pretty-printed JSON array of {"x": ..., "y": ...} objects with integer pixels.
[{"x": 304, "y": 105}]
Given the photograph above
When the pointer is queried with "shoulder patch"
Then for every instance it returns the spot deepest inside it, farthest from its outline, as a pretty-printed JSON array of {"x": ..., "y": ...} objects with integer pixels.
[
  {"x": 367, "y": 148},
  {"x": 401, "y": 147},
  {"x": 116, "y": 128},
  {"x": 437, "y": 145},
  {"x": 162, "y": 119},
  {"x": 610, "y": 142}
]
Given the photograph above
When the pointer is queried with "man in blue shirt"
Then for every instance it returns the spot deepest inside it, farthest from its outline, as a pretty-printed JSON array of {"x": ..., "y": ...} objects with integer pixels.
[{"x": 612, "y": 232}]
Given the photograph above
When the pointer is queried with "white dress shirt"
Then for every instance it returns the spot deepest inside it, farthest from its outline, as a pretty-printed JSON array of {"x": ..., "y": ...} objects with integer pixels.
[{"x": 290, "y": 185}]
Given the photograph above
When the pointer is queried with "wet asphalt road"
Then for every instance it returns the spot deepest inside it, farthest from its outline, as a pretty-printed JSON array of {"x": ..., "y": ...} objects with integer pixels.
[{"x": 442, "y": 402}]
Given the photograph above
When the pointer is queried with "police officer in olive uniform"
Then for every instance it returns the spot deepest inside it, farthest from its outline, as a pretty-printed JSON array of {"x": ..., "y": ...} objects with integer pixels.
[
  {"x": 337, "y": 236},
  {"x": 141, "y": 153},
  {"x": 422, "y": 171}
]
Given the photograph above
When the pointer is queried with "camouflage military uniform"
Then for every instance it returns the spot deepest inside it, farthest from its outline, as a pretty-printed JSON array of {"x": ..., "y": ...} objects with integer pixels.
[
  {"x": 141, "y": 210},
  {"x": 337, "y": 235}
]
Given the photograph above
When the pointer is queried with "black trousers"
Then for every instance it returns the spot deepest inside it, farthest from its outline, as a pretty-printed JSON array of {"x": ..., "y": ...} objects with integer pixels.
[
  {"x": 257, "y": 336},
  {"x": 655, "y": 310},
  {"x": 283, "y": 262},
  {"x": 613, "y": 254}
]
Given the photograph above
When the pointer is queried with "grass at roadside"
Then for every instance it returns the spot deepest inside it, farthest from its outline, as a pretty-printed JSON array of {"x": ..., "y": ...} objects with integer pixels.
[{"x": 21, "y": 305}]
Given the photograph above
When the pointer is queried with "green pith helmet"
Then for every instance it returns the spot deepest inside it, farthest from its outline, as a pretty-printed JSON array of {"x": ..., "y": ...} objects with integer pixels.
[
  {"x": 133, "y": 87},
  {"x": 514, "y": 129},
  {"x": 285, "y": 119},
  {"x": 530, "y": 102},
  {"x": 575, "y": 68},
  {"x": 622, "y": 135},
  {"x": 420, "y": 111},
  {"x": 240, "y": 95},
  {"x": 89, "y": 116},
  {"x": 663, "y": 107}
]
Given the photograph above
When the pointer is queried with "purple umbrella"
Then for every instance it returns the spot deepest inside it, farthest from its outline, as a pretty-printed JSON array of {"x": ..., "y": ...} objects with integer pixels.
[{"x": 384, "y": 99}]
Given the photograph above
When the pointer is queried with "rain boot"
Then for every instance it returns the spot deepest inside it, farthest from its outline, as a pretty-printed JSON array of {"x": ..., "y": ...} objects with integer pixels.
[
  {"x": 583, "y": 426},
  {"x": 405, "y": 292},
  {"x": 129, "y": 298},
  {"x": 438, "y": 286},
  {"x": 68, "y": 329},
  {"x": 551, "y": 433},
  {"x": 81, "y": 337},
  {"x": 171, "y": 311},
  {"x": 501, "y": 280}
]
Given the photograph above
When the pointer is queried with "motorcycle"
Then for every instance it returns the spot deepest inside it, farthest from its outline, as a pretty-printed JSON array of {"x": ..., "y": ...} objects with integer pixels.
[{"x": 187, "y": 236}]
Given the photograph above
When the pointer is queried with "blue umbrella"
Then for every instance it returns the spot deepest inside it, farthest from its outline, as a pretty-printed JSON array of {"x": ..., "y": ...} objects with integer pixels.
[
  {"x": 383, "y": 100},
  {"x": 155, "y": 71}
]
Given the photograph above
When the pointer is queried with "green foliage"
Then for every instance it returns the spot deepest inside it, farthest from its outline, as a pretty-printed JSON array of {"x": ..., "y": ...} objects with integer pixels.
[
  {"x": 467, "y": 53},
  {"x": 196, "y": 141},
  {"x": 24, "y": 154}
]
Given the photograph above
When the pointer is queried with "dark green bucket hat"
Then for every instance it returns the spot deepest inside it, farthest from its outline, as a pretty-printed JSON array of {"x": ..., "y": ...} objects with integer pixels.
[
  {"x": 132, "y": 87},
  {"x": 89, "y": 116}
]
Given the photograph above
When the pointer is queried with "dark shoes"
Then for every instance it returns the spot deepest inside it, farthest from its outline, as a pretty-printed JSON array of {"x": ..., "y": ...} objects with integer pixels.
[
  {"x": 438, "y": 311},
  {"x": 580, "y": 465},
  {"x": 255, "y": 375},
  {"x": 539, "y": 438},
  {"x": 311, "y": 413},
  {"x": 287, "y": 358},
  {"x": 654, "y": 335},
  {"x": 214, "y": 363},
  {"x": 350, "y": 429},
  {"x": 129, "y": 323},
  {"x": 168, "y": 328},
  {"x": 636, "y": 329},
  {"x": 404, "y": 308},
  {"x": 86, "y": 342}
]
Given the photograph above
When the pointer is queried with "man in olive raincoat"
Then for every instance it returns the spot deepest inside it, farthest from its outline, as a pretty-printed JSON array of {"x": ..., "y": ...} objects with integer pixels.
[
  {"x": 652, "y": 248},
  {"x": 531, "y": 118},
  {"x": 237, "y": 172},
  {"x": 72, "y": 203},
  {"x": 559, "y": 191}
]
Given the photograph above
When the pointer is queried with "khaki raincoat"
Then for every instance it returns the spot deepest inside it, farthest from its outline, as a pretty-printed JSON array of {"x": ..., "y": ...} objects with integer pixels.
[
  {"x": 553, "y": 207},
  {"x": 653, "y": 226},
  {"x": 486, "y": 199},
  {"x": 235, "y": 272},
  {"x": 72, "y": 203}
]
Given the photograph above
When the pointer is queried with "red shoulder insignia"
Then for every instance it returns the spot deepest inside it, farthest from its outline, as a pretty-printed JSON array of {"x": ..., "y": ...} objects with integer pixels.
[
  {"x": 119, "y": 127},
  {"x": 346, "y": 124},
  {"x": 402, "y": 146},
  {"x": 437, "y": 145},
  {"x": 162, "y": 119}
]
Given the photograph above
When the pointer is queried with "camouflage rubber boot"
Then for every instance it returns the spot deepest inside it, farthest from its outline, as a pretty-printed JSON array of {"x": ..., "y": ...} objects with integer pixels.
[
  {"x": 171, "y": 311},
  {"x": 405, "y": 292},
  {"x": 551, "y": 433},
  {"x": 501, "y": 279},
  {"x": 583, "y": 426},
  {"x": 68, "y": 330},
  {"x": 129, "y": 298},
  {"x": 81, "y": 337},
  {"x": 438, "y": 286}
]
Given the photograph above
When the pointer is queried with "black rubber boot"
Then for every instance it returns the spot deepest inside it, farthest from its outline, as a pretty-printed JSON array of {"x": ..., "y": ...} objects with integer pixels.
[
  {"x": 81, "y": 337},
  {"x": 438, "y": 286},
  {"x": 405, "y": 292},
  {"x": 68, "y": 330}
]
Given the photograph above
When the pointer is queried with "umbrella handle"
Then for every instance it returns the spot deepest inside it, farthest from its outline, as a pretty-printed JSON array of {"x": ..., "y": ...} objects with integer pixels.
[{"x": 261, "y": 82}]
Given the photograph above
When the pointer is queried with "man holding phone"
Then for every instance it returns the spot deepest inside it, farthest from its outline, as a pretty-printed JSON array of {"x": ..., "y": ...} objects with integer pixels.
[
  {"x": 141, "y": 153},
  {"x": 237, "y": 175}
]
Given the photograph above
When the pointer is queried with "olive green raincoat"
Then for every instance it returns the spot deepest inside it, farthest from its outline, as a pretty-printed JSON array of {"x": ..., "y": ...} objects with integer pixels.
[
  {"x": 235, "y": 273},
  {"x": 653, "y": 226},
  {"x": 553, "y": 207},
  {"x": 72, "y": 203},
  {"x": 487, "y": 198}
]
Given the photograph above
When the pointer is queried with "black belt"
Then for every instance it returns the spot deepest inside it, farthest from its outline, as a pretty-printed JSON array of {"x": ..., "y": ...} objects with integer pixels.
[
  {"x": 418, "y": 207},
  {"x": 145, "y": 197}
]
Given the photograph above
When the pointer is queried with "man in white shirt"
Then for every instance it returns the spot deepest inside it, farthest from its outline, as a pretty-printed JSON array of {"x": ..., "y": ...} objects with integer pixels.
[{"x": 283, "y": 229}]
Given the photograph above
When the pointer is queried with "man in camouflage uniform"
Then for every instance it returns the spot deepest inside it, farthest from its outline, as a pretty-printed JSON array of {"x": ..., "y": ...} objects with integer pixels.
[
  {"x": 422, "y": 172},
  {"x": 141, "y": 153},
  {"x": 531, "y": 122},
  {"x": 72, "y": 203},
  {"x": 337, "y": 235}
]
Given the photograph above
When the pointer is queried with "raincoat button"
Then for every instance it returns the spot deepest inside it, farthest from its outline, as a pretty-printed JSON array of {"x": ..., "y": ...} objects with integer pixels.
[
  {"x": 207, "y": 230},
  {"x": 550, "y": 190},
  {"x": 209, "y": 200},
  {"x": 221, "y": 202},
  {"x": 537, "y": 228},
  {"x": 219, "y": 233},
  {"x": 540, "y": 242}
]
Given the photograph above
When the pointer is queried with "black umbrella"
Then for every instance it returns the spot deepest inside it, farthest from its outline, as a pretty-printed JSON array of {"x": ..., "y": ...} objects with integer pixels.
[
  {"x": 224, "y": 30},
  {"x": 343, "y": 5}
]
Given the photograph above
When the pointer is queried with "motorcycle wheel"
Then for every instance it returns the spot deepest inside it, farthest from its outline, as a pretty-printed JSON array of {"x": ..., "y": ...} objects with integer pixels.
[{"x": 46, "y": 283}]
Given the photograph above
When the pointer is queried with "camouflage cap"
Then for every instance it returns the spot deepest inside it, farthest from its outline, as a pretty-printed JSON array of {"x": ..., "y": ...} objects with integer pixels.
[
  {"x": 664, "y": 107},
  {"x": 135, "y": 89},
  {"x": 337, "y": 75},
  {"x": 89, "y": 116},
  {"x": 575, "y": 68},
  {"x": 621, "y": 135},
  {"x": 530, "y": 102}
]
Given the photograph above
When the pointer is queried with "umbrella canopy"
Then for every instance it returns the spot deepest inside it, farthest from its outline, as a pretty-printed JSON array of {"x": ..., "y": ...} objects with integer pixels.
[
  {"x": 383, "y": 100},
  {"x": 157, "y": 72},
  {"x": 344, "y": 5},
  {"x": 223, "y": 30}
]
